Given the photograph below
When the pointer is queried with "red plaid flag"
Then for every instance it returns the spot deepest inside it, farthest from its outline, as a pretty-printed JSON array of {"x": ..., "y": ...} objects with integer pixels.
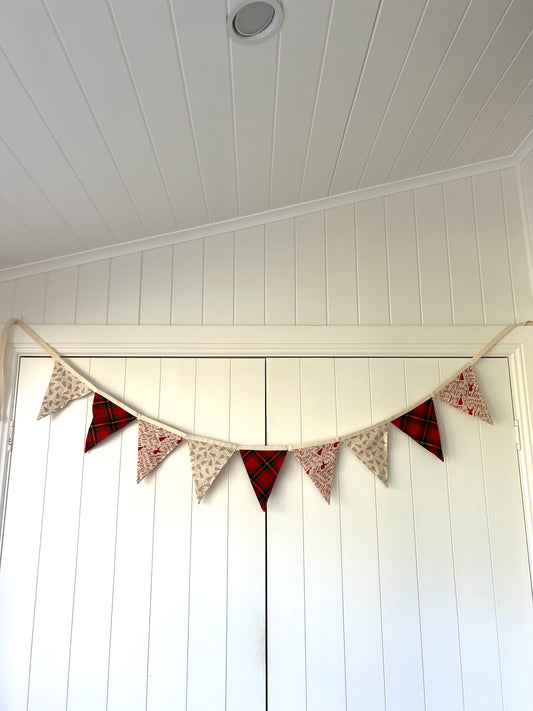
[
  {"x": 263, "y": 468},
  {"x": 107, "y": 418},
  {"x": 421, "y": 425}
]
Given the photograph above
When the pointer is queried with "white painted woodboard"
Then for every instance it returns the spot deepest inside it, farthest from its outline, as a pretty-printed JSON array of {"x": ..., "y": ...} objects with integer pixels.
[
  {"x": 402, "y": 258},
  {"x": 465, "y": 276},
  {"x": 402, "y": 650},
  {"x": 341, "y": 279},
  {"x": 322, "y": 550},
  {"x": 518, "y": 252},
  {"x": 188, "y": 282},
  {"x": 245, "y": 611},
  {"x": 493, "y": 248},
  {"x": 30, "y": 295},
  {"x": 280, "y": 280},
  {"x": 250, "y": 277},
  {"x": 433, "y": 256},
  {"x": 21, "y": 540},
  {"x": 254, "y": 120},
  {"x": 300, "y": 58},
  {"x": 93, "y": 292},
  {"x": 207, "y": 82},
  {"x": 149, "y": 32},
  {"x": 61, "y": 291},
  {"x": 372, "y": 267},
  {"x": 219, "y": 279},
  {"x": 310, "y": 269},
  {"x": 52, "y": 620},
  {"x": 455, "y": 253},
  {"x": 111, "y": 93},
  {"x": 156, "y": 281},
  {"x": 287, "y": 669},
  {"x": 440, "y": 643},
  {"x": 124, "y": 289},
  {"x": 363, "y": 641},
  {"x": 92, "y": 610}
]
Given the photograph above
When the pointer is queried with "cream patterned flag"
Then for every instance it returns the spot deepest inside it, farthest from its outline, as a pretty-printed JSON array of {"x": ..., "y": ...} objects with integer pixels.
[
  {"x": 154, "y": 444},
  {"x": 319, "y": 463},
  {"x": 62, "y": 388},
  {"x": 370, "y": 447},
  {"x": 207, "y": 461},
  {"x": 464, "y": 394}
]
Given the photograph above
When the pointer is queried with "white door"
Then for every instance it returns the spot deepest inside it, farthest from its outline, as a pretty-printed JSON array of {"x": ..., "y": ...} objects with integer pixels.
[{"x": 118, "y": 596}]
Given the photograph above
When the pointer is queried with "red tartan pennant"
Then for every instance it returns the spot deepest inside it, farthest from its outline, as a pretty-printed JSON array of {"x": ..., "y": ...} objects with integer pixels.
[
  {"x": 107, "y": 418},
  {"x": 420, "y": 424},
  {"x": 263, "y": 467}
]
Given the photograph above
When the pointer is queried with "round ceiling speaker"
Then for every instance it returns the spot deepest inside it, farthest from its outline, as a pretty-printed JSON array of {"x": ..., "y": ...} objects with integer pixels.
[{"x": 252, "y": 22}]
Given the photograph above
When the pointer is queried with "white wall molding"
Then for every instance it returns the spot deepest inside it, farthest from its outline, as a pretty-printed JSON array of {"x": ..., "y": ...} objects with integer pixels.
[
  {"x": 267, "y": 341},
  {"x": 520, "y": 367},
  {"x": 524, "y": 149},
  {"x": 261, "y": 218}
]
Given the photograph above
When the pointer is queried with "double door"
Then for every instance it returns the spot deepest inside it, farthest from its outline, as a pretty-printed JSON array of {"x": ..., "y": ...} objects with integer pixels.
[{"x": 115, "y": 595}]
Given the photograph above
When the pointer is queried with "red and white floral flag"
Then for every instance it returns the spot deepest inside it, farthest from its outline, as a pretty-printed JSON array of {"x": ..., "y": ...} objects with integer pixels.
[
  {"x": 207, "y": 461},
  {"x": 319, "y": 463},
  {"x": 63, "y": 387},
  {"x": 370, "y": 447},
  {"x": 464, "y": 394},
  {"x": 153, "y": 445}
]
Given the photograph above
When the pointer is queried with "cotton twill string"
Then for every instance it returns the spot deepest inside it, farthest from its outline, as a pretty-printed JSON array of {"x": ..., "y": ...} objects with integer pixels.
[{"x": 55, "y": 355}]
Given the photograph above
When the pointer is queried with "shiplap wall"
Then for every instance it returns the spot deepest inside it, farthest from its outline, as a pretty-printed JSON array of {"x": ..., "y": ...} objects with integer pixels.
[
  {"x": 525, "y": 177},
  {"x": 453, "y": 253}
]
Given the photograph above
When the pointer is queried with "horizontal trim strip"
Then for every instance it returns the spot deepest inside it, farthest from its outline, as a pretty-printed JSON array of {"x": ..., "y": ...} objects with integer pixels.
[{"x": 265, "y": 341}]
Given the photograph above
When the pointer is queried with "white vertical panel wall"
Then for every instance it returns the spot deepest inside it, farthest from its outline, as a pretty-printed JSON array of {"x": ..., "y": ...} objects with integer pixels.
[
  {"x": 118, "y": 595},
  {"x": 451, "y": 253},
  {"x": 115, "y": 595},
  {"x": 411, "y": 598}
]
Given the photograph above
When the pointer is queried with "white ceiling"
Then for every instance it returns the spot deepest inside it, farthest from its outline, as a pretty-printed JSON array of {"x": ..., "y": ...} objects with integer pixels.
[{"x": 124, "y": 119}]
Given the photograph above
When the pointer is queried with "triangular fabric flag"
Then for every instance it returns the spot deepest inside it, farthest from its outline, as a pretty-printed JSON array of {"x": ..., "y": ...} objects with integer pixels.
[
  {"x": 207, "y": 461},
  {"x": 319, "y": 463},
  {"x": 370, "y": 447},
  {"x": 153, "y": 445},
  {"x": 464, "y": 394},
  {"x": 107, "y": 418},
  {"x": 263, "y": 467},
  {"x": 420, "y": 424},
  {"x": 63, "y": 387}
]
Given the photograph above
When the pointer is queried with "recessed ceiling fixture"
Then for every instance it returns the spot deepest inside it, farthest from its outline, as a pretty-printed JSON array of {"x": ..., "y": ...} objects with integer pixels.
[{"x": 252, "y": 22}]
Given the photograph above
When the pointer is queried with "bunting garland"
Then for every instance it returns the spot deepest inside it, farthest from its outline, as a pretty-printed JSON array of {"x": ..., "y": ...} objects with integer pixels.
[{"x": 208, "y": 457}]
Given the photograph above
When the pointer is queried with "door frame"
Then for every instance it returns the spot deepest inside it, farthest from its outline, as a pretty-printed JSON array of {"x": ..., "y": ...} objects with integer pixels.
[{"x": 284, "y": 341}]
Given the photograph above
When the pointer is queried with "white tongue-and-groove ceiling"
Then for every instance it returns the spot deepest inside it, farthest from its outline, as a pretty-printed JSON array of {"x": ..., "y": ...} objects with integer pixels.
[{"x": 126, "y": 119}]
